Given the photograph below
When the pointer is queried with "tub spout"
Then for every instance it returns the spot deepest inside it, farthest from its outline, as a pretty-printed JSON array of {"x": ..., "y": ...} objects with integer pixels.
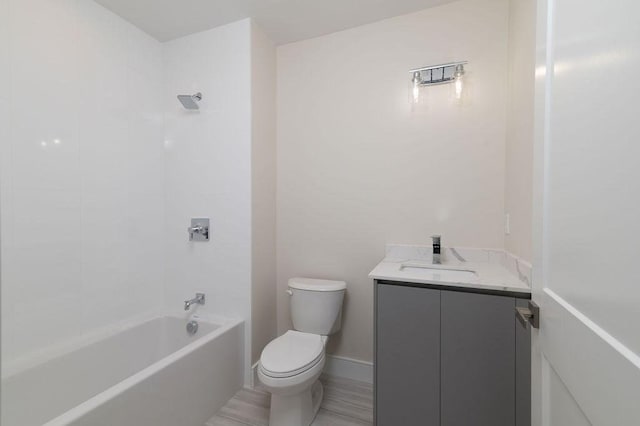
[{"x": 199, "y": 300}]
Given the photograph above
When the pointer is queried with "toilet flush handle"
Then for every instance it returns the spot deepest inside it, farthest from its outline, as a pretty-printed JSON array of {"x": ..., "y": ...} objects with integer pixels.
[{"x": 289, "y": 292}]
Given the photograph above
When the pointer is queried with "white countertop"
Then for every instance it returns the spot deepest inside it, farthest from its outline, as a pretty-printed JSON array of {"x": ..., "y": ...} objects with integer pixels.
[{"x": 488, "y": 276}]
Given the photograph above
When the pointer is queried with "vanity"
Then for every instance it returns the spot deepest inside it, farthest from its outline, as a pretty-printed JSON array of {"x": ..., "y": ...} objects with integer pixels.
[{"x": 449, "y": 349}]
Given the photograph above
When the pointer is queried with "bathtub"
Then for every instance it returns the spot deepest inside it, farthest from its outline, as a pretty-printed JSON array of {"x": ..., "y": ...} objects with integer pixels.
[{"x": 153, "y": 373}]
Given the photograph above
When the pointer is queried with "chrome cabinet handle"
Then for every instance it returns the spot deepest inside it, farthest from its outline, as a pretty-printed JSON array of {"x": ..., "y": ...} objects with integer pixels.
[{"x": 530, "y": 314}]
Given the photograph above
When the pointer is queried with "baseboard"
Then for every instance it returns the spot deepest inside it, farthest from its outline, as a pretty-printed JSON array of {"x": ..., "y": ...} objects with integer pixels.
[
  {"x": 339, "y": 366},
  {"x": 348, "y": 368}
]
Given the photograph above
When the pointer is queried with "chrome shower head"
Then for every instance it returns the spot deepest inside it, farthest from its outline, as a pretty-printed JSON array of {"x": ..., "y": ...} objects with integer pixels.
[{"x": 190, "y": 101}]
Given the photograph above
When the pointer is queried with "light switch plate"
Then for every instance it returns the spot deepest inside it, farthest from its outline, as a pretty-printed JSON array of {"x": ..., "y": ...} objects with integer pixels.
[{"x": 507, "y": 224}]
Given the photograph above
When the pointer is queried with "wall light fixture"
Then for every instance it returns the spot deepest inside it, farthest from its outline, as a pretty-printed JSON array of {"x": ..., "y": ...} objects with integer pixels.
[{"x": 437, "y": 74}]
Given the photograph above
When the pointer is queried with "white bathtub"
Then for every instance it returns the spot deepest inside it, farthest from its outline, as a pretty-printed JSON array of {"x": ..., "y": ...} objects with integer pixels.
[{"x": 151, "y": 374}]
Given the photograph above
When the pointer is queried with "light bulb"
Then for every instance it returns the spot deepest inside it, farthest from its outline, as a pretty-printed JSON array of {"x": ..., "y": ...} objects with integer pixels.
[
  {"x": 416, "y": 93},
  {"x": 457, "y": 75},
  {"x": 458, "y": 84},
  {"x": 415, "y": 87}
]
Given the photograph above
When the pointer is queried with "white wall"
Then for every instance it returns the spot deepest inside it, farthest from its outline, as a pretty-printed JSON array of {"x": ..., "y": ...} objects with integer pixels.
[
  {"x": 5, "y": 148},
  {"x": 90, "y": 212},
  {"x": 82, "y": 218},
  {"x": 263, "y": 190},
  {"x": 85, "y": 243},
  {"x": 518, "y": 198},
  {"x": 358, "y": 168},
  {"x": 208, "y": 171}
]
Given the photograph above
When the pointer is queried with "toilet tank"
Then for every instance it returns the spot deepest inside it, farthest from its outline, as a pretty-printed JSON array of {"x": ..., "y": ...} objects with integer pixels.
[{"x": 316, "y": 305}]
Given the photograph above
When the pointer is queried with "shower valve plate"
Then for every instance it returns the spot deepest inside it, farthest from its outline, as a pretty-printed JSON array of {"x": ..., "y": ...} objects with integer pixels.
[{"x": 199, "y": 229}]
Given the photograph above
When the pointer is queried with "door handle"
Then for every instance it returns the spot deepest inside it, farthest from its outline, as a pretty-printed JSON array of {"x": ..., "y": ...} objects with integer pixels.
[{"x": 530, "y": 314}]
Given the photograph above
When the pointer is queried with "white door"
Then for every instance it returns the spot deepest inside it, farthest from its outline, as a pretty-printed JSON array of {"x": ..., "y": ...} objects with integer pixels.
[{"x": 586, "y": 366}]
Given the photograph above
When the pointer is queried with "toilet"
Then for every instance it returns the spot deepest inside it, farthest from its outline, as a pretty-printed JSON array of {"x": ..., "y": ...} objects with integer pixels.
[{"x": 291, "y": 364}]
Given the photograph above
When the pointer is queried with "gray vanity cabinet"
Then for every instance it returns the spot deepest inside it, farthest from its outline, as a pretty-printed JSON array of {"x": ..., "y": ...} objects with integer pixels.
[
  {"x": 407, "y": 356},
  {"x": 478, "y": 359},
  {"x": 523, "y": 371},
  {"x": 449, "y": 358}
]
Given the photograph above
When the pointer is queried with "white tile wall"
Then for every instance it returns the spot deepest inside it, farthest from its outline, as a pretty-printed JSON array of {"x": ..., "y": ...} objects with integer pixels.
[
  {"x": 208, "y": 171},
  {"x": 82, "y": 172},
  {"x": 102, "y": 170}
]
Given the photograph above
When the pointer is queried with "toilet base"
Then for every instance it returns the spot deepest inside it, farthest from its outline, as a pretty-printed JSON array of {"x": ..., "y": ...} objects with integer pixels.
[{"x": 296, "y": 410}]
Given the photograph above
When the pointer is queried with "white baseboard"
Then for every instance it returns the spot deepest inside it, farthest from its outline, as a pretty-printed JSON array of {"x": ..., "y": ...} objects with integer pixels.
[
  {"x": 348, "y": 368},
  {"x": 339, "y": 366}
]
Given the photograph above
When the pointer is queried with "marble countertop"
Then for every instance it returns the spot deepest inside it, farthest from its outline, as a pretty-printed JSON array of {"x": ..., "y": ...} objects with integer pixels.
[{"x": 488, "y": 276}]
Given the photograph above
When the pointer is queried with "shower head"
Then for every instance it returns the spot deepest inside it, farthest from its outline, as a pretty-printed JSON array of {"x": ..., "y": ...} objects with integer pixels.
[{"x": 190, "y": 101}]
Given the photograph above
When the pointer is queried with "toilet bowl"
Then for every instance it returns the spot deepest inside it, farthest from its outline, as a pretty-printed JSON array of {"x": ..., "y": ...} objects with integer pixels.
[{"x": 291, "y": 364}]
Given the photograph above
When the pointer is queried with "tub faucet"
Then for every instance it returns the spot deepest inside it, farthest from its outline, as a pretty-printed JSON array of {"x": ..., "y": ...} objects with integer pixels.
[
  {"x": 436, "y": 249},
  {"x": 199, "y": 299}
]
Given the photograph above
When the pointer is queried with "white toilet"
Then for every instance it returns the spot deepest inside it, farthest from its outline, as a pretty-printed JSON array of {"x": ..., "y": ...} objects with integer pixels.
[{"x": 291, "y": 364}]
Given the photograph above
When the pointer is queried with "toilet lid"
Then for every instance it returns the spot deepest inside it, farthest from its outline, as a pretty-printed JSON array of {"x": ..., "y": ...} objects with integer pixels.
[{"x": 291, "y": 354}]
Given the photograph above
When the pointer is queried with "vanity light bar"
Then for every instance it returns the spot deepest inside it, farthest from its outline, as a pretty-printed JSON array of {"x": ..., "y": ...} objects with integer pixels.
[{"x": 436, "y": 74}]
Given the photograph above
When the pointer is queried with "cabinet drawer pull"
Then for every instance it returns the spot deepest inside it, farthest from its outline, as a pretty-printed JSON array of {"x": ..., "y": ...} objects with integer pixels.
[{"x": 530, "y": 314}]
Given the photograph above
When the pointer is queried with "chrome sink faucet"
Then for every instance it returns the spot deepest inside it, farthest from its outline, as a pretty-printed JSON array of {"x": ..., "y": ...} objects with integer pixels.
[
  {"x": 199, "y": 300},
  {"x": 437, "y": 260}
]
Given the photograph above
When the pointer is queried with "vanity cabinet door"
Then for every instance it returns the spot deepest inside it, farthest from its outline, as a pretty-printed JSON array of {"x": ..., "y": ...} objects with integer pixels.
[
  {"x": 523, "y": 370},
  {"x": 478, "y": 359},
  {"x": 407, "y": 356}
]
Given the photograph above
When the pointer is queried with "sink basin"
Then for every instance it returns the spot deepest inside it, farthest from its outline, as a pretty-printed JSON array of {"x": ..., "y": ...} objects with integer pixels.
[{"x": 428, "y": 271}]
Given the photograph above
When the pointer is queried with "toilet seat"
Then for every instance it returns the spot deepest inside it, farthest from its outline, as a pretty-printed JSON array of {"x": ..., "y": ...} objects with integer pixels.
[{"x": 291, "y": 354}]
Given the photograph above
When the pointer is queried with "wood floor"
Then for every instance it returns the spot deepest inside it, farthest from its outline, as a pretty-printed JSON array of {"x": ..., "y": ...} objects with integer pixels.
[{"x": 345, "y": 403}]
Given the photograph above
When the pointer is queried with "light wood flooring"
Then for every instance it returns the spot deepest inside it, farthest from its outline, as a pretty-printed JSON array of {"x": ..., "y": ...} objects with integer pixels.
[{"x": 345, "y": 403}]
